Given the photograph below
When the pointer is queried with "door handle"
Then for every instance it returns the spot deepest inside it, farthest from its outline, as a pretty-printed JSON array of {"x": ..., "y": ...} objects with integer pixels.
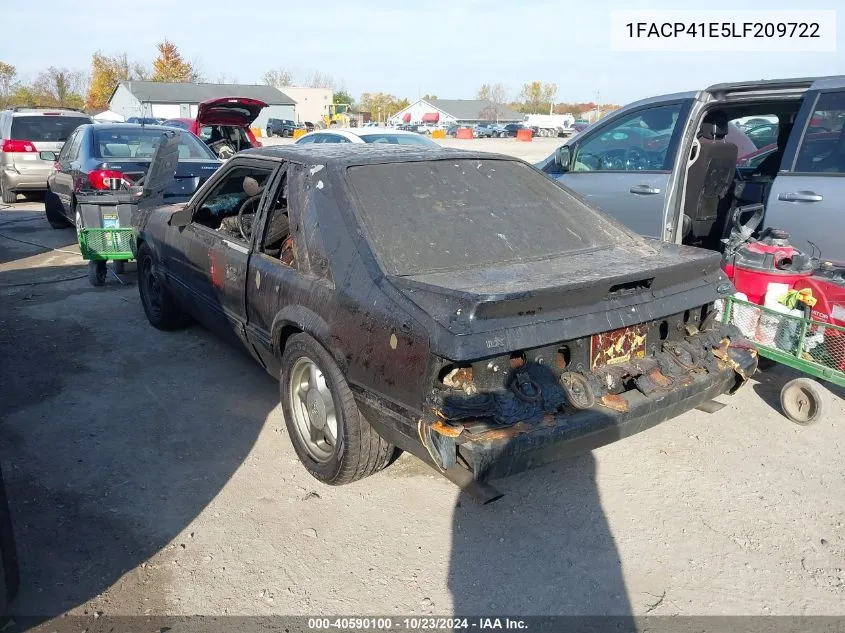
[
  {"x": 645, "y": 190},
  {"x": 800, "y": 196}
]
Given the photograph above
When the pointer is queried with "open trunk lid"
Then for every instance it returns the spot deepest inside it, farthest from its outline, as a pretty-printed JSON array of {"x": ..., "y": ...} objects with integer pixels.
[{"x": 240, "y": 111}]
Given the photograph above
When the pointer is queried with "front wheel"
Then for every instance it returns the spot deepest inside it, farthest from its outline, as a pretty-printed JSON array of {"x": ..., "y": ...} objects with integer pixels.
[
  {"x": 159, "y": 306},
  {"x": 332, "y": 439},
  {"x": 97, "y": 272}
]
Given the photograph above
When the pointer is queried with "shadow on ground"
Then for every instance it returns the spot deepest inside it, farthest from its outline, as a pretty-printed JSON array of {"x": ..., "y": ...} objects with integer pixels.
[{"x": 115, "y": 436}]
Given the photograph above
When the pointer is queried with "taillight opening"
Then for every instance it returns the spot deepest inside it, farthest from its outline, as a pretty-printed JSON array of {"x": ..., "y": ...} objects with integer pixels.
[{"x": 107, "y": 180}]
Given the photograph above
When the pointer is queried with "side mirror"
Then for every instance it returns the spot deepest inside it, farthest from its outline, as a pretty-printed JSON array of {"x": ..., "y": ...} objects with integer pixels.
[
  {"x": 51, "y": 156},
  {"x": 180, "y": 218},
  {"x": 563, "y": 156}
]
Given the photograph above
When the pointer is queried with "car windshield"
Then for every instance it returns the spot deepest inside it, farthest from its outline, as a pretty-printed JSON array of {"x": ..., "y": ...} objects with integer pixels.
[
  {"x": 141, "y": 143},
  {"x": 445, "y": 215},
  {"x": 45, "y": 127},
  {"x": 398, "y": 139}
]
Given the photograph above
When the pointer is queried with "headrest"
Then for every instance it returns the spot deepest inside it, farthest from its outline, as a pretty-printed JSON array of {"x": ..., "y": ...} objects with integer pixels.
[{"x": 715, "y": 125}]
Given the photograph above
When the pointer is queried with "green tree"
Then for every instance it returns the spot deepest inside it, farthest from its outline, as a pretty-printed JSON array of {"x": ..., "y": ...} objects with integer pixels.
[
  {"x": 8, "y": 75},
  {"x": 429, "y": 97},
  {"x": 170, "y": 67},
  {"x": 342, "y": 96}
]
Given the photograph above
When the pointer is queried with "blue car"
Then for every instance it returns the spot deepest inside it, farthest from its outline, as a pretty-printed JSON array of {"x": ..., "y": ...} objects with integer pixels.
[{"x": 114, "y": 156}]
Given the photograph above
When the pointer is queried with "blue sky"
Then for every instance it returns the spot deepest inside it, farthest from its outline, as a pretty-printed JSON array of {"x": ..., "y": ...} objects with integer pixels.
[{"x": 444, "y": 47}]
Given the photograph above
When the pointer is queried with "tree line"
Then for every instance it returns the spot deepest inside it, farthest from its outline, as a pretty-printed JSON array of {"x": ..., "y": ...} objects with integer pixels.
[{"x": 75, "y": 88}]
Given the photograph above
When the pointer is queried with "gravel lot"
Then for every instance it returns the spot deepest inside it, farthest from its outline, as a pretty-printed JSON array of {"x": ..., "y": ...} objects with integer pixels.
[{"x": 150, "y": 473}]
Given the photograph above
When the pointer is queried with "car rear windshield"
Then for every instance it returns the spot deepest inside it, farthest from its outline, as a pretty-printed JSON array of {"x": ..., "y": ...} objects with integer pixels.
[
  {"x": 445, "y": 215},
  {"x": 140, "y": 143},
  {"x": 45, "y": 127},
  {"x": 398, "y": 139}
]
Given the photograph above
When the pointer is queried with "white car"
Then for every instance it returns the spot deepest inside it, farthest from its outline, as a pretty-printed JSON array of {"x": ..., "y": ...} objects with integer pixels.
[{"x": 366, "y": 135}]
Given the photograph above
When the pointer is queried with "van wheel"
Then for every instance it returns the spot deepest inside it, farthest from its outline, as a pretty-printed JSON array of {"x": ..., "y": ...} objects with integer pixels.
[
  {"x": 332, "y": 439},
  {"x": 8, "y": 197},
  {"x": 54, "y": 211}
]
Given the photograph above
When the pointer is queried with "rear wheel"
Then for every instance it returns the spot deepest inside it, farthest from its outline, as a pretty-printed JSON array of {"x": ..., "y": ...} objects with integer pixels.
[
  {"x": 54, "y": 211},
  {"x": 8, "y": 197},
  {"x": 332, "y": 439},
  {"x": 159, "y": 306}
]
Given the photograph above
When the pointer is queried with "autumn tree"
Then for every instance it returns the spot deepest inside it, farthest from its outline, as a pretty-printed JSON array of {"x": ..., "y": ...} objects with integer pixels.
[
  {"x": 106, "y": 72},
  {"x": 380, "y": 105},
  {"x": 537, "y": 97},
  {"x": 170, "y": 67}
]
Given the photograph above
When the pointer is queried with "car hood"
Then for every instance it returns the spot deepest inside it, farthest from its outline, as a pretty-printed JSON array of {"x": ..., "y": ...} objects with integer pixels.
[
  {"x": 240, "y": 111},
  {"x": 666, "y": 278}
]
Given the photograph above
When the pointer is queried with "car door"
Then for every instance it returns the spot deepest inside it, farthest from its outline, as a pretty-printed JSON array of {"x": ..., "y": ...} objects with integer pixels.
[
  {"x": 208, "y": 258},
  {"x": 624, "y": 166},
  {"x": 806, "y": 198},
  {"x": 61, "y": 180}
]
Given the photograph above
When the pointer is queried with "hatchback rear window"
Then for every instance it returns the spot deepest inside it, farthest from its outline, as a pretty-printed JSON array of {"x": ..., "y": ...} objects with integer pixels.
[{"x": 45, "y": 127}]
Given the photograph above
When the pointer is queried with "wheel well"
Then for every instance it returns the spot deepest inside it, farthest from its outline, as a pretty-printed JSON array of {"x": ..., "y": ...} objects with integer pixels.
[{"x": 284, "y": 334}]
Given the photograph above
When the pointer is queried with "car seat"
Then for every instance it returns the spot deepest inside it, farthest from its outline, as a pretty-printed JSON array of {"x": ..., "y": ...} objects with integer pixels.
[{"x": 710, "y": 176}]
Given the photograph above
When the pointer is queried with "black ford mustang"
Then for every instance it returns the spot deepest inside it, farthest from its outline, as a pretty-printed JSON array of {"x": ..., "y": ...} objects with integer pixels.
[{"x": 457, "y": 305}]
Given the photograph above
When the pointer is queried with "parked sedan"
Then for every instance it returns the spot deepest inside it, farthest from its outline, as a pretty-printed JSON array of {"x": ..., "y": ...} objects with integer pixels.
[
  {"x": 457, "y": 305},
  {"x": 224, "y": 124},
  {"x": 104, "y": 157},
  {"x": 366, "y": 135}
]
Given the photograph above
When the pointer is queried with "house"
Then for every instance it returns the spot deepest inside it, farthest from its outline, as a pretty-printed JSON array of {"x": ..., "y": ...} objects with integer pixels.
[
  {"x": 310, "y": 102},
  {"x": 180, "y": 100},
  {"x": 461, "y": 111}
]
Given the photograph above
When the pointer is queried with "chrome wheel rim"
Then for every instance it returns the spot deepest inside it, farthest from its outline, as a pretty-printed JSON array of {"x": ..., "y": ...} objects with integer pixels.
[{"x": 313, "y": 410}]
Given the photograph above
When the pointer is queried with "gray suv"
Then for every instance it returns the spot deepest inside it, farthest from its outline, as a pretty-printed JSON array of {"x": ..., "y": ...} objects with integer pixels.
[
  {"x": 678, "y": 167},
  {"x": 24, "y": 132}
]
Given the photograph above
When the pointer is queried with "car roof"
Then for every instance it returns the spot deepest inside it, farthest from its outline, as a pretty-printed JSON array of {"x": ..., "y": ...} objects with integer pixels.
[
  {"x": 350, "y": 132},
  {"x": 46, "y": 112},
  {"x": 119, "y": 126},
  {"x": 347, "y": 154}
]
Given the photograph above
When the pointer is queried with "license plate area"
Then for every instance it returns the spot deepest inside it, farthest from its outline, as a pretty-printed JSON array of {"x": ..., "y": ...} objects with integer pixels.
[{"x": 619, "y": 346}]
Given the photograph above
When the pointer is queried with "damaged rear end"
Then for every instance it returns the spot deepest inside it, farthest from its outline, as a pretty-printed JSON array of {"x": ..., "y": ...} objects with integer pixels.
[{"x": 553, "y": 329}]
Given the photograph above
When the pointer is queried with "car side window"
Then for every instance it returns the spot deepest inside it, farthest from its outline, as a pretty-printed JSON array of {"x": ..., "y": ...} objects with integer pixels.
[
  {"x": 822, "y": 148},
  {"x": 68, "y": 150},
  {"x": 331, "y": 138},
  {"x": 637, "y": 142},
  {"x": 233, "y": 203},
  {"x": 277, "y": 240},
  {"x": 306, "y": 140}
]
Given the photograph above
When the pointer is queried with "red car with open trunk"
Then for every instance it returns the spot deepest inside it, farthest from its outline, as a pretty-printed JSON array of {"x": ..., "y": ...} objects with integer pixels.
[{"x": 224, "y": 124}]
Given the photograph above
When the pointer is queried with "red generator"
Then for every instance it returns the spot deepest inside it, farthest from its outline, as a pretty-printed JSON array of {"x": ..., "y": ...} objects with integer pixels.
[{"x": 754, "y": 264}]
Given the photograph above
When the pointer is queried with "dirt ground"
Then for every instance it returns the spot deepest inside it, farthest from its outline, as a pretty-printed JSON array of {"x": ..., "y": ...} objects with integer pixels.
[{"x": 150, "y": 473}]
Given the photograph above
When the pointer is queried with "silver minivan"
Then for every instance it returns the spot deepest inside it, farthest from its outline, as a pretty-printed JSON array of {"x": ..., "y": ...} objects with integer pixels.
[
  {"x": 24, "y": 132},
  {"x": 678, "y": 167}
]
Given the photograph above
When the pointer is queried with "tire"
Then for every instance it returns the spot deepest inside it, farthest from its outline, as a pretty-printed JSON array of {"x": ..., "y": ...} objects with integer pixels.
[
  {"x": 8, "y": 197},
  {"x": 804, "y": 401},
  {"x": 54, "y": 211},
  {"x": 97, "y": 272},
  {"x": 161, "y": 309},
  {"x": 357, "y": 450}
]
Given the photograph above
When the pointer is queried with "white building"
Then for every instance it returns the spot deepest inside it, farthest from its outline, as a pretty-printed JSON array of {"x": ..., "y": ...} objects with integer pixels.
[
  {"x": 310, "y": 102},
  {"x": 180, "y": 100},
  {"x": 461, "y": 111}
]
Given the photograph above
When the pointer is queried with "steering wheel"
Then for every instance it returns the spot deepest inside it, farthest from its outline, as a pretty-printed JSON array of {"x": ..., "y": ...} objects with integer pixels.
[
  {"x": 635, "y": 159},
  {"x": 240, "y": 220}
]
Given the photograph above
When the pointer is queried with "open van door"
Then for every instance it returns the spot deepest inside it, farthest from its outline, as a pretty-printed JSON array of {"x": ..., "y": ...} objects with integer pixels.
[{"x": 806, "y": 197}]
